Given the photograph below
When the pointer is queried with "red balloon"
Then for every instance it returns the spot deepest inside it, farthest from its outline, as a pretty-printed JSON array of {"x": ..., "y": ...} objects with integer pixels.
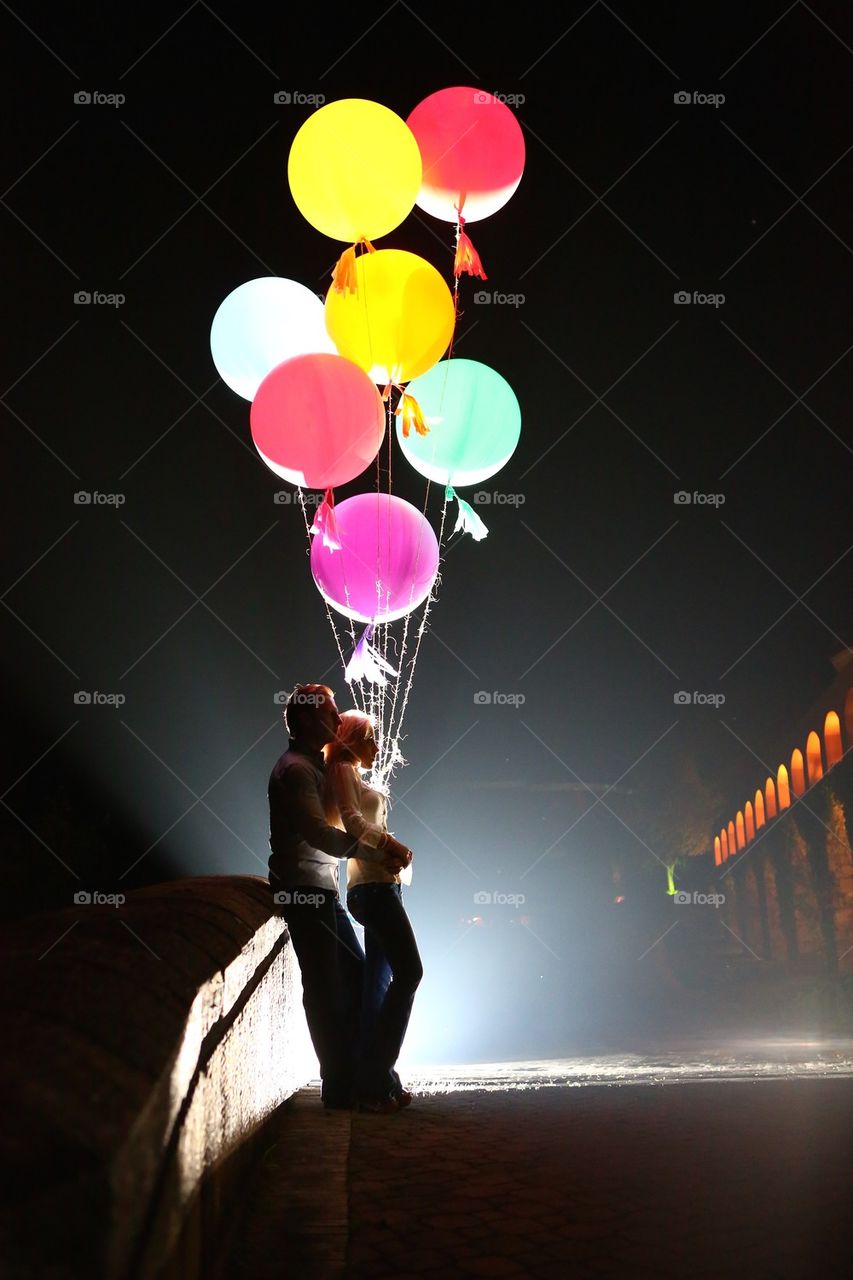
[
  {"x": 473, "y": 153},
  {"x": 317, "y": 420}
]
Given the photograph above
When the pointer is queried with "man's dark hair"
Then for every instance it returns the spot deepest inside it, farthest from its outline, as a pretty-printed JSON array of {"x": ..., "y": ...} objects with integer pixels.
[{"x": 301, "y": 706}]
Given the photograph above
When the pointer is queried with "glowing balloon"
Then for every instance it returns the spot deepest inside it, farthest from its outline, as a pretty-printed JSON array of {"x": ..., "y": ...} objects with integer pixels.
[
  {"x": 261, "y": 323},
  {"x": 473, "y": 153},
  {"x": 354, "y": 169},
  {"x": 387, "y": 563},
  {"x": 399, "y": 322},
  {"x": 317, "y": 420},
  {"x": 474, "y": 423}
]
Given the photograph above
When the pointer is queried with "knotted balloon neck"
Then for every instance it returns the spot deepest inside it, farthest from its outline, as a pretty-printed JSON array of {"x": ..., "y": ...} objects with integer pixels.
[{"x": 344, "y": 278}]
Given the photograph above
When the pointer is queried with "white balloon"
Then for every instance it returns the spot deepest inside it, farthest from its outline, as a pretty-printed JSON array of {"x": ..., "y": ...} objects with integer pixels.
[{"x": 261, "y": 323}]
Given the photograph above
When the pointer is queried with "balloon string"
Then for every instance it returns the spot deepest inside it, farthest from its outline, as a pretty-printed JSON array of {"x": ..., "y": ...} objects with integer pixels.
[{"x": 325, "y": 601}]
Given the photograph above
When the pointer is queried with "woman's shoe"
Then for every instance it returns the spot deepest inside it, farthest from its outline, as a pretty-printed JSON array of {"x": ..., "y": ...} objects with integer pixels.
[{"x": 404, "y": 1098}]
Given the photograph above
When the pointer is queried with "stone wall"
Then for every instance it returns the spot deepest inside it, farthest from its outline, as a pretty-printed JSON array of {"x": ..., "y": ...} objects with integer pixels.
[{"x": 149, "y": 1041}]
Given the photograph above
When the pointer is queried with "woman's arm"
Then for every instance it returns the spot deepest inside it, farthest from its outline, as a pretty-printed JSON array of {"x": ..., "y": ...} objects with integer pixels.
[{"x": 347, "y": 794}]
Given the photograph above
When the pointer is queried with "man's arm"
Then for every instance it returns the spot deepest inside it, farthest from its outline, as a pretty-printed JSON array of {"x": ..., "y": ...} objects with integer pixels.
[{"x": 300, "y": 796}]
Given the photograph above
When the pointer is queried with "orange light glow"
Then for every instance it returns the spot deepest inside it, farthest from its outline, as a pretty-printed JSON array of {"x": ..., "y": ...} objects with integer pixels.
[
  {"x": 770, "y": 797},
  {"x": 783, "y": 788},
  {"x": 724, "y": 843},
  {"x": 749, "y": 821},
  {"x": 759, "y": 809},
  {"x": 814, "y": 760},
  {"x": 832, "y": 739},
  {"x": 718, "y": 855},
  {"x": 739, "y": 828},
  {"x": 798, "y": 772}
]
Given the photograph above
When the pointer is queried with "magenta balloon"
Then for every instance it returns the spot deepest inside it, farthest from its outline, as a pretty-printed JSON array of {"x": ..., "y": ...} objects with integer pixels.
[
  {"x": 317, "y": 420},
  {"x": 385, "y": 541}
]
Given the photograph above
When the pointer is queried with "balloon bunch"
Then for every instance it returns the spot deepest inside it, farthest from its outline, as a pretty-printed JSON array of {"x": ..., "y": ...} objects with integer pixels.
[{"x": 327, "y": 378}]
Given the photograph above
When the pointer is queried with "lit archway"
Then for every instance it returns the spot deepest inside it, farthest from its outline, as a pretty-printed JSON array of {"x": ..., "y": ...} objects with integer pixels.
[
  {"x": 749, "y": 821},
  {"x": 814, "y": 760},
  {"x": 759, "y": 809},
  {"x": 724, "y": 843},
  {"x": 741, "y": 839},
  {"x": 770, "y": 798},
  {"x": 832, "y": 739},
  {"x": 798, "y": 772},
  {"x": 783, "y": 789},
  {"x": 718, "y": 856},
  {"x": 732, "y": 842}
]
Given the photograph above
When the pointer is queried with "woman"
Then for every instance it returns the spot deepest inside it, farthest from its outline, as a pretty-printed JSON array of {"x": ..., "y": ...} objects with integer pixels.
[{"x": 393, "y": 967}]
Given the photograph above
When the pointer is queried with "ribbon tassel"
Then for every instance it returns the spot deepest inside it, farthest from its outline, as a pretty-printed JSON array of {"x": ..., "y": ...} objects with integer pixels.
[
  {"x": 411, "y": 415},
  {"x": 467, "y": 521},
  {"x": 344, "y": 277},
  {"x": 467, "y": 258},
  {"x": 367, "y": 662},
  {"x": 325, "y": 524}
]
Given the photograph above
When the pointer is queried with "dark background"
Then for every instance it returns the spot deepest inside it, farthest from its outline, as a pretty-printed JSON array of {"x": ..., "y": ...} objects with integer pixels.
[{"x": 597, "y": 599}]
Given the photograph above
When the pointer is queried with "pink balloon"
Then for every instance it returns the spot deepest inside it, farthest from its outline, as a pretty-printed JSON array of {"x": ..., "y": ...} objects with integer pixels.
[
  {"x": 317, "y": 420},
  {"x": 385, "y": 541},
  {"x": 472, "y": 149}
]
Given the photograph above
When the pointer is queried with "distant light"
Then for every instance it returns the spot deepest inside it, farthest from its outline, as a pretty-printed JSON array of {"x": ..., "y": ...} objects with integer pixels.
[{"x": 621, "y": 898}]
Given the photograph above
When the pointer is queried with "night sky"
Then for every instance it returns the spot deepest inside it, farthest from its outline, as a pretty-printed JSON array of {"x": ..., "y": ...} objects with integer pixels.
[{"x": 595, "y": 594}]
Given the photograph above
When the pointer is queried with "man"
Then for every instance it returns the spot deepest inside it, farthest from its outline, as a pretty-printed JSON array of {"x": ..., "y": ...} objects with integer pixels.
[{"x": 303, "y": 876}]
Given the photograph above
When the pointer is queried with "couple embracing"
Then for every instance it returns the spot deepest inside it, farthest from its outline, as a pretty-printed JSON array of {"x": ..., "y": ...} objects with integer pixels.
[{"x": 357, "y": 1003}]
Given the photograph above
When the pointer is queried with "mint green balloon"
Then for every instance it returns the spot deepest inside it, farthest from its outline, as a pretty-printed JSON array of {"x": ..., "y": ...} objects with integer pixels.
[{"x": 474, "y": 423}]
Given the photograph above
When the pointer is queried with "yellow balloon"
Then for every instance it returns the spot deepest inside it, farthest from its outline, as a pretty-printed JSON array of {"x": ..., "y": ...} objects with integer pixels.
[
  {"x": 400, "y": 321},
  {"x": 354, "y": 170}
]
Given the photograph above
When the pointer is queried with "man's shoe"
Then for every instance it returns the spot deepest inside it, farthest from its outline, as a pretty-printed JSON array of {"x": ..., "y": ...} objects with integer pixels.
[
  {"x": 404, "y": 1098},
  {"x": 386, "y": 1107}
]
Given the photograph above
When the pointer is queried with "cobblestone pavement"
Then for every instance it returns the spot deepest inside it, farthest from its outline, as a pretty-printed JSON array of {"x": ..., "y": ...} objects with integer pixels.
[{"x": 699, "y": 1179}]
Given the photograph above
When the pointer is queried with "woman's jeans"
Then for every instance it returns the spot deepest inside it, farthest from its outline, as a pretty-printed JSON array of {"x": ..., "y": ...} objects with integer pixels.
[{"x": 392, "y": 972}]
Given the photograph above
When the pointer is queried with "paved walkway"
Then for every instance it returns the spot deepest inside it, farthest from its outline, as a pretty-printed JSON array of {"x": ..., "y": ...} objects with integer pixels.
[{"x": 699, "y": 1178}]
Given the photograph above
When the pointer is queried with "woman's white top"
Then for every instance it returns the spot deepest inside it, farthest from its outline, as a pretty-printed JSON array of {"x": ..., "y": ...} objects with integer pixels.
[{"x": 362, "y": 812}]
